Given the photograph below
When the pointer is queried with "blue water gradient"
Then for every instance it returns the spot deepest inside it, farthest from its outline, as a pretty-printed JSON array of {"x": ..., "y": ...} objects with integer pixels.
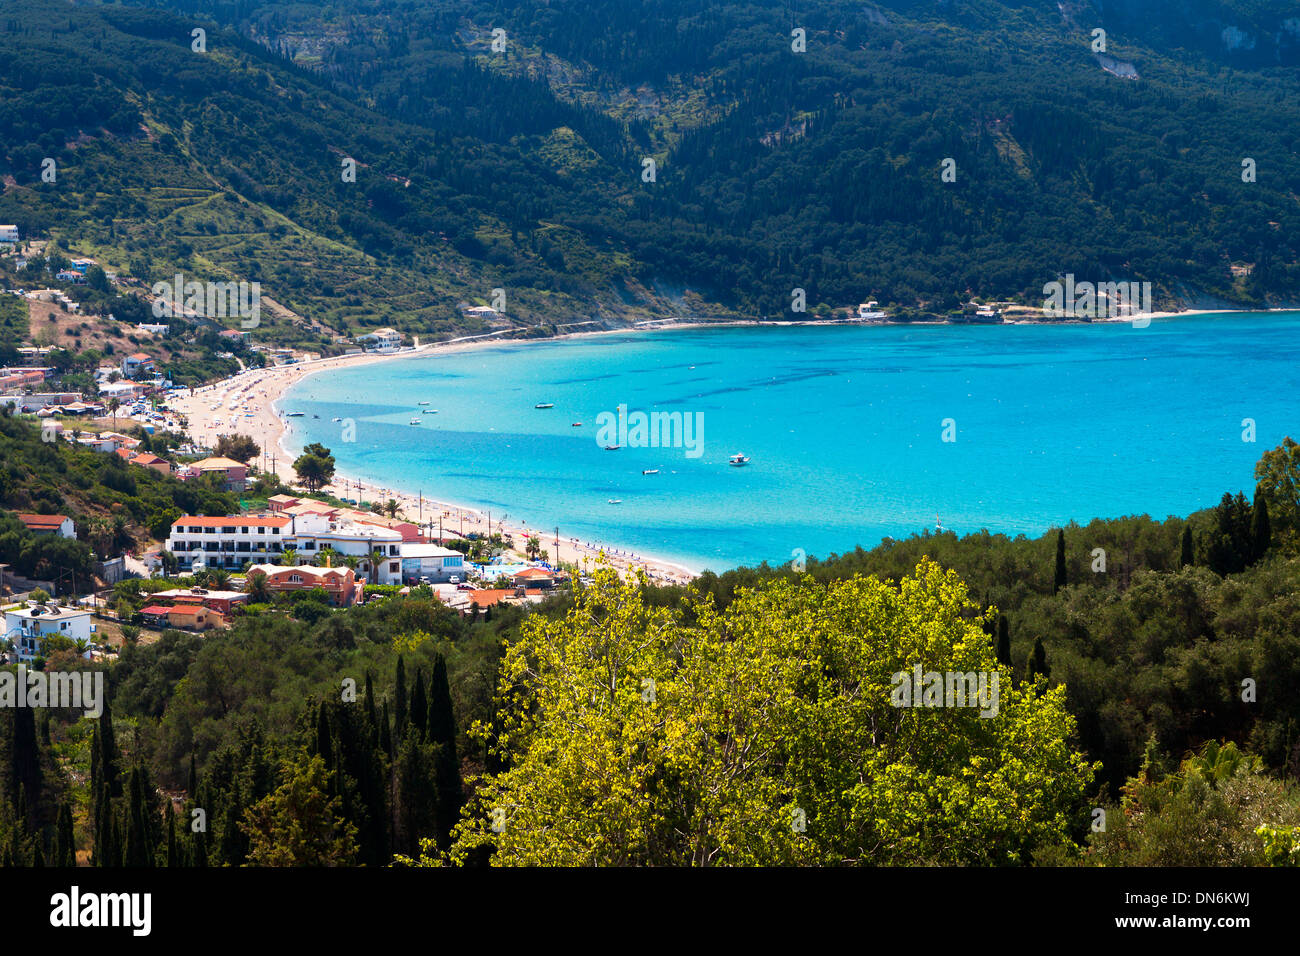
[{"x": 844, "y": 427}]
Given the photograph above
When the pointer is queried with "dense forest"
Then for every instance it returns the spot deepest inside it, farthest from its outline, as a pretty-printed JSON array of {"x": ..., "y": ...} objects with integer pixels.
[
  {"x": 525, "y": 169},
  {"x": 1148, "y": 670}
]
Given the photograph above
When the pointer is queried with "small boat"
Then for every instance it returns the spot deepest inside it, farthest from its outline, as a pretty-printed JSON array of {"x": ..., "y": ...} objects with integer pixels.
[
  {"x": 615, "y": 501},
  {"x": 315, "y": 416},
  {"x": 332, "y": 419},
  {"x": 293, "y": 414},
  {"x": 738, "y": 459},
  {"x": 577, "y": 424},
  {"x": 429, "y": 411},
  {"x": 544, "y": 405},
  {"x": 424, "y": 403},
  {"x": 414, "y": 421},
  {"x": 611, "y": 448},
  {"x": 650, "y": 471}
]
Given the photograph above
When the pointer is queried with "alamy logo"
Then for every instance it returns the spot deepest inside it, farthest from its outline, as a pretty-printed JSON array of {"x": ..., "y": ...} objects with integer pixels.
[
  {"x": 918, "y": 688},
  {"x": 1101, "y": 300},
  {"x": 78, "y": 690},
  {"x": 212, "y": 300},
  {"x": 651, "y": 430},
  {"x": 73, "y": 909}
]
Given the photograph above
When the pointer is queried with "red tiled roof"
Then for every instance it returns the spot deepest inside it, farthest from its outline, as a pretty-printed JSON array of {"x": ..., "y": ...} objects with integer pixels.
[
  {"x": 154, "y": 609},
  {"x": 489, "y": 596},
  {"x": 42, "y": 521},
  {"x": 535, "y": 573},
  {"x": 236, "y": 520}
]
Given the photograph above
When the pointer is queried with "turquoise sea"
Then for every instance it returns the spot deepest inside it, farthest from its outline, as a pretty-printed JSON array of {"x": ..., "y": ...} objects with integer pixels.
[{"x": 844, "y": 427}]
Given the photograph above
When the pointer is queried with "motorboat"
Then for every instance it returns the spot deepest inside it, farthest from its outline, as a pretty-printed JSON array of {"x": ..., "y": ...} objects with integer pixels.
[{"x": 738, "y": 459}]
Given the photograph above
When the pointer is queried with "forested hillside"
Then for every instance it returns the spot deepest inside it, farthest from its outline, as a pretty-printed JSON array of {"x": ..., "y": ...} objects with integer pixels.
[{"x": 524, "y": 169}]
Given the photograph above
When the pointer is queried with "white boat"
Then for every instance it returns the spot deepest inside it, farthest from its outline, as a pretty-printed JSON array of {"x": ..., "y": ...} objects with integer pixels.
[
  {"x": 332, "y": 419},
  {"x": 650, "y": 471},
  {"x": 414, "y": 421},
  {"x": 424, "y": 403},
  {"x": 615, "y": 501},
  {"x": 293, "y": 414},
  {"x": 429, "y": 411},
  {"x": 738, "y": 459},
  {"x": 544, "y": 405}
]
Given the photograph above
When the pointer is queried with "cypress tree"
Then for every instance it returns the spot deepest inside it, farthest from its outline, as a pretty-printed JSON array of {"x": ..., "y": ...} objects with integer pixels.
[
  {"x": 138, "y": 851},
  {"x": 65, "y": 850},
  {"x": 1186, "y": 555},
  {"x": 372, "y": 719},
  {"x": 442, "y": 722},
  {"x": 1060, "y": 561},
  {"x": 419, "y": 704},
  {"x": 324, "y": 743},
  {"x": 173, "y": 856},
  {"x": 1261, "y": 531},
  {"x": 1038, "y": 662},
  {"x": 193, "y": 790},
  {"x": 399, "y": 700},
  {"x": 385, "y": 737},
  {"x": 1004, "y": 641}
]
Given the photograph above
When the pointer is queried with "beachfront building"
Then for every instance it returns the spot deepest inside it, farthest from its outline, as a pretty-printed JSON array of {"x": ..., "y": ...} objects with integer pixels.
[
  {"x": 230, "y": 542},
  {"x": 48, "y": 524},
  {"x": 431, "y": 563},
  {"x": 28, "y": 627},
  {"x": 382, "y": 340},
  {"x": 137, "y": 364},
  {"x": 234, "y": 474},
  {"x": 202, "y": 542},
  {"x": 340, "y": 584}
]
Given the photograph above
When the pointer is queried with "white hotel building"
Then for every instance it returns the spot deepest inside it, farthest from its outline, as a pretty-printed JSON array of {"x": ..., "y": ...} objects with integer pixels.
[{"x": 232, "y": 542}]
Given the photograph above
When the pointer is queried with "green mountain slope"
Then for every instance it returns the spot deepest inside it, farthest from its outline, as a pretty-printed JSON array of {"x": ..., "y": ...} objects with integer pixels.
[{"x": 775, "y": 169}]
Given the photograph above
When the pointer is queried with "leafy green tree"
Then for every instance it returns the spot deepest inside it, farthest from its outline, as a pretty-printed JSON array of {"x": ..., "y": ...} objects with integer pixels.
[
  {"x": 239, "y": 448},
  {"x": 315, "y": 467},
  {"x": 1277, "y": 474},
  {"x": 766, "y": 732}
]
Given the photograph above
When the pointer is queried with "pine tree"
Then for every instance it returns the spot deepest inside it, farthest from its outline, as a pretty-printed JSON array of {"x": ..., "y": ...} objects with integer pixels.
[
  {"x": 1186, "y": 554},
  {"x": 1004, "y": 641},
  {"x": 1060, "y": 562}
]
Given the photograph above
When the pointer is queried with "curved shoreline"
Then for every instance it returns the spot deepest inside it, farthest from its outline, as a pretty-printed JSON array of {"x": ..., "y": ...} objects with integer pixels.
[{"x": 267, "y": 388}]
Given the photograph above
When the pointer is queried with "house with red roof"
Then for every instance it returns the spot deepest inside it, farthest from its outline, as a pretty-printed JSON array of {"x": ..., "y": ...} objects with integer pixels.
[{"x": 48, "y": 524}]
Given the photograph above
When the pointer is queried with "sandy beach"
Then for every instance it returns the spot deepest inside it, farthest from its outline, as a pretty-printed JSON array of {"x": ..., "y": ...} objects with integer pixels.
[{"x": 221, "y": 408}]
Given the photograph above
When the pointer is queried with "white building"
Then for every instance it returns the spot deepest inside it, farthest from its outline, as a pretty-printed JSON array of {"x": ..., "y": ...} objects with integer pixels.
[
  {"x": 202, "y": 542},
  {"x": 28, "y": 627},
  {"x": 382, "y": 339},
  {"x": 8, "y": 233},
  {"x": 431, "y": 561},
  {"x": 230, "y": 542}
]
